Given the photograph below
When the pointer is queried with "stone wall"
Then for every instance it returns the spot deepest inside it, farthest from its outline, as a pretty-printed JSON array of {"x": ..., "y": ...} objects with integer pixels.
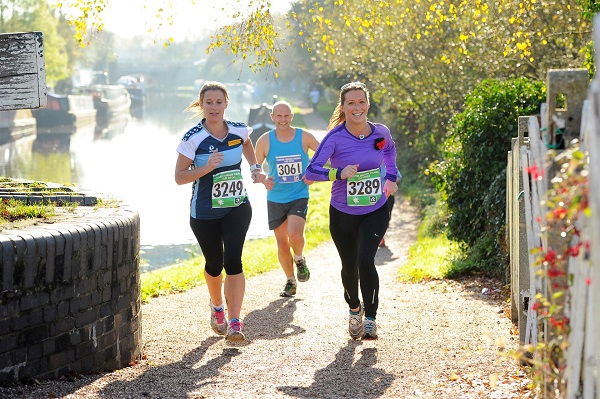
[{"x": 70, "y": 295}]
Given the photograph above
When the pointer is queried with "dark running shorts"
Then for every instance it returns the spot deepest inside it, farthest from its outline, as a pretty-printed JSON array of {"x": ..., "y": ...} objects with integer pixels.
[{"x": 279, "y": 212}]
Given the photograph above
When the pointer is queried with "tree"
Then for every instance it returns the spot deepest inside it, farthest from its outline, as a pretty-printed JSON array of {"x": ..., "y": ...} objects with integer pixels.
[
  {"x": 419, "y": 57},
  {"x": 429, "y": 54}
]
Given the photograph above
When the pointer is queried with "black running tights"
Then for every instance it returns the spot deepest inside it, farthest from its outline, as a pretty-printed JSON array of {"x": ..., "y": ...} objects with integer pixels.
[
  {"x": 221, "y": 240},
  {"x": 357, "y": 238}
]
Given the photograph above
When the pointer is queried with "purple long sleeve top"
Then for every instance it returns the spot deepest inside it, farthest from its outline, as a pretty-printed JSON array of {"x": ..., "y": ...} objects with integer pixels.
[{"x": 341, "y": 148}]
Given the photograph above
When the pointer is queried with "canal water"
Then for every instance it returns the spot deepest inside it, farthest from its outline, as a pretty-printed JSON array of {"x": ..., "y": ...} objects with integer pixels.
[{"x": 133, "y": 160}]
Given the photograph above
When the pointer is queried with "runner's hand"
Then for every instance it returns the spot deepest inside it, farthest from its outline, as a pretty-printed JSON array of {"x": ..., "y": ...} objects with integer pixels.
[
  {"x": 389, "y": 188},
  {"x": 258, "y": 176},
  {"x": 269, "y": 183},
  {"x": 214, "y": 160},
  {"x": 349, "y": 171}
]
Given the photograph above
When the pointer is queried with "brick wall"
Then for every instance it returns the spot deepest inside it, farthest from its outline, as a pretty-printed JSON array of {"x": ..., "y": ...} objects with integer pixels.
[{"x": 70, "y": 296}]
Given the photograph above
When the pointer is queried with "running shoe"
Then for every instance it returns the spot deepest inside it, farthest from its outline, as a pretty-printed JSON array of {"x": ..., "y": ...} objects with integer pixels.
[
  {"x": 369, "y": 328},
  {"x": 303, "y": 274},
  {"x": 355, "y": 323},
  {"x": 289, "y": 290},
  {"x": 217, "y": 320},
  {"x": 234, "y": 331}
]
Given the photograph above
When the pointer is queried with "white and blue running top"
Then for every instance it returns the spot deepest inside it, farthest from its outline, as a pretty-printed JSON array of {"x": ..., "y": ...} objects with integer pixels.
[{"x": 215, "y": 193}]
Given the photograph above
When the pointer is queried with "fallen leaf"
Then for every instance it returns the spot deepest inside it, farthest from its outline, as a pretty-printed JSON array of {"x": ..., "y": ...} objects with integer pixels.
[{"x": 493, "y": 380}]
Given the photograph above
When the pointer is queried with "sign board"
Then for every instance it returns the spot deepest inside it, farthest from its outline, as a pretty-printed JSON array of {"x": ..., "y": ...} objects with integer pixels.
[{"x": 22, "y": 71}]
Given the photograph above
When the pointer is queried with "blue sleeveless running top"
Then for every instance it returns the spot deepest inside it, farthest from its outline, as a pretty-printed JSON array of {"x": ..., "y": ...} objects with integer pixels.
[{"x": 287, "y": 164}]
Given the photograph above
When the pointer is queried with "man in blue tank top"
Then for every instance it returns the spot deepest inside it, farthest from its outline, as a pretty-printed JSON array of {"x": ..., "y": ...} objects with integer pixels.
[{"x": 286, "y": 151}]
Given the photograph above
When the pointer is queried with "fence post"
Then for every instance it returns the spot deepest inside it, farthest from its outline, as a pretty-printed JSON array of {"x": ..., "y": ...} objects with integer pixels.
[
  {"x": 22, "y": 71},
  {"x": 566, "y": 87},
  {"x": 520, "y": 230}
]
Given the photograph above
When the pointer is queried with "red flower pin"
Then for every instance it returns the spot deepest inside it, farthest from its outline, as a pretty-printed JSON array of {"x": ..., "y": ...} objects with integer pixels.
[{"x": 379, "y": 143}]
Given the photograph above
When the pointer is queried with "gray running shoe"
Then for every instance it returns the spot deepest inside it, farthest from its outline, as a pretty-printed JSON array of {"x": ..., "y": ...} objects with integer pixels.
[
  {"x": 234, "y": 331},
  {"x": 369, "y": 329},
  {"x": 217, "y": 320},
  {"x": 289, "y": 290},
  {"x": 355, "y": 323},
  {"x": 302, "y": 274}
]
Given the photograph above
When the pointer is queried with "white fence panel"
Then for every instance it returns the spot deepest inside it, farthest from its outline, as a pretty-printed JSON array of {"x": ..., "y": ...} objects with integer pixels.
[{"x": 582, "y": 301}]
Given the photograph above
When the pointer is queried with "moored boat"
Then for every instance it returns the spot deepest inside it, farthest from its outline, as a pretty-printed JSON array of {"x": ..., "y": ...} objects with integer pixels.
[
  {"x": 66, "y": 110},
  {"x": 136, "y": 87},
  {"x": 15, "y": 124},
  {"x": 109, "y": 100}
]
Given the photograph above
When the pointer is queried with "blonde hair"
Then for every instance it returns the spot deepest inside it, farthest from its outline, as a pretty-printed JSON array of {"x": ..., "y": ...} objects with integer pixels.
[
  {"x": 338, "y": 115},
  {"x": 195, "y": 107}
]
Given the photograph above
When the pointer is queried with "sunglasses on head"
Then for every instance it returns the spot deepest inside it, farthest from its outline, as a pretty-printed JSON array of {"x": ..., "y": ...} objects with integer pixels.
[{"x": 354, "y": 85}]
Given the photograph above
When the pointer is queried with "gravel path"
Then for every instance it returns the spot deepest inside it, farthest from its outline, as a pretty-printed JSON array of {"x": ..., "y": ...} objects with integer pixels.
[{"x": 437, "y": 339}]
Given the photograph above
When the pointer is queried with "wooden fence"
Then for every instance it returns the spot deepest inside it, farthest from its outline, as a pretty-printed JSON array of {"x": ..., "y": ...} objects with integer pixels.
[{"x": 536, "y": 155}]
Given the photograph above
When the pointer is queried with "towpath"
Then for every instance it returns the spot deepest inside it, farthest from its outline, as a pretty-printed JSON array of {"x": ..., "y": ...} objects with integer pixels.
[{"x": 438, "y": 339}]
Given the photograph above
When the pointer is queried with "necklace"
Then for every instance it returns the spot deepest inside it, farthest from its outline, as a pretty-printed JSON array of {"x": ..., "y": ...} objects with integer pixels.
[{"x": 363, "y": 128}]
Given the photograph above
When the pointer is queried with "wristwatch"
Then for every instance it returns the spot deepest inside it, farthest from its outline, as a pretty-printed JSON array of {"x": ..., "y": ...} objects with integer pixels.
[{"x": 254, "y": 167}]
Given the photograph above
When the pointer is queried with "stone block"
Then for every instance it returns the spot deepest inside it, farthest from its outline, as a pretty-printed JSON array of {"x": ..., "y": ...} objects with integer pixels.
[
  {"x": 8, "y": 309},
  {"x": 8, "y": 265},
  {"x": 61, "y": 326},
  {"x": 86, "y": 317},
  {"x": 34, "y": 300},
  {"x": 50, "y": 313},
  {"x": 62, "y": 293},
  {"x": 36, "y": 316},
  {"x": 33, "y": 335},
  {"x": 35, "y": 351},
  {"x": 19, "y": 323}
]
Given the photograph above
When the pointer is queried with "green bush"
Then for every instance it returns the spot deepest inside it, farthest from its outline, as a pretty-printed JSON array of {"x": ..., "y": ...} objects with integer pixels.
[{"x": 472, "y": 174}]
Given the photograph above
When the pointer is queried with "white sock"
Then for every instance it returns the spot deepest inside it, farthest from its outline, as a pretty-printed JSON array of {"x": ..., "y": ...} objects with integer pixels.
[
  {"x": 217, "y": 308},
  {"x": 297, "y": 257},
  {"x": 292, "y": 280}
]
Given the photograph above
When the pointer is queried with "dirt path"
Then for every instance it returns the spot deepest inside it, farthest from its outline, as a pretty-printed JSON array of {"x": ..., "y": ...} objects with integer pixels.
[{"x": 437, "y": 339}]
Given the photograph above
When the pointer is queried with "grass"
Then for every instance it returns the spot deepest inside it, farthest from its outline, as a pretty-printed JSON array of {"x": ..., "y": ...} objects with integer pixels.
[
  {"x": 259, "y": 255},
  {"x": 429, "y": 258},
  {"x": 326, "y": 110},
  {"x": 433, "y": 255},
  {"x": 17, "y": 210},
  {"x": 12, "y": 210}
]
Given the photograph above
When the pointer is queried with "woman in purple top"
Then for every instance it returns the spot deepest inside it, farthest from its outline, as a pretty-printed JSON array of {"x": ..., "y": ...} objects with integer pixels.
[{"x": 358, "y": 214}]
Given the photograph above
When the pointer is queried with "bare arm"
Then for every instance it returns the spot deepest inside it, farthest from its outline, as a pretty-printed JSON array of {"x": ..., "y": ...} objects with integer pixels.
[
  {"x": 261, "y": 150},
  {"x": 309, "y": 141},
  {"x": 248, "y": 151},
  {"x": 184, "y": 174}
]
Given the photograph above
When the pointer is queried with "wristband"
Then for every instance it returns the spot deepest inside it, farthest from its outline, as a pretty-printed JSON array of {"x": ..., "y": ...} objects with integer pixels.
[
  {"x": 254, "y": 167},
  {"x": 332, "y": 174}
]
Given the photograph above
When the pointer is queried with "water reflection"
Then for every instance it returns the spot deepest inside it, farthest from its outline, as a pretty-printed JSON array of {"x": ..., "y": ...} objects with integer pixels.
[
  {"x": 107, "y": 128},
  {"x": 132, "y": 159}
]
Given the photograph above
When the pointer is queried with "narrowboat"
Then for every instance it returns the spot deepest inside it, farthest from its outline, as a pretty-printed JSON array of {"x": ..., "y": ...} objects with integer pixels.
[
  {"x": 109, "y": 100},
  {"x": 66, "y": 110},
  {"x": 15, "y": 124}
]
